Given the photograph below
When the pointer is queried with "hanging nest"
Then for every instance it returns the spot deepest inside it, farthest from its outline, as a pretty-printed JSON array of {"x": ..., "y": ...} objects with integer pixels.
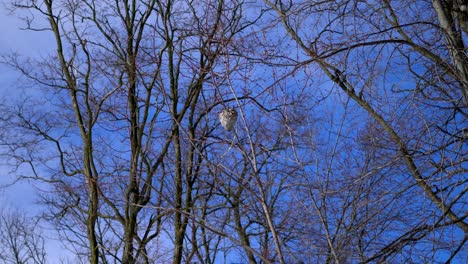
[{"x": 228, "y": 118}]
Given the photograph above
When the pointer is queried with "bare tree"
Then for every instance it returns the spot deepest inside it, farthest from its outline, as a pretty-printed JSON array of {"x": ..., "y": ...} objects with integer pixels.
[
  {"x": 349, "y": 145},
  {"x": 21, "y": 240},
  {"x": 122, "y": 136},
  {"x": 391, "y": 60}
]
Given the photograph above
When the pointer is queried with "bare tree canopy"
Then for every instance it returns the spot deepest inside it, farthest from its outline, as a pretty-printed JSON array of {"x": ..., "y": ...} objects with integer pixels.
[
  {"x": 21, "y": 241},
  {"x": 221, "y": 131}
]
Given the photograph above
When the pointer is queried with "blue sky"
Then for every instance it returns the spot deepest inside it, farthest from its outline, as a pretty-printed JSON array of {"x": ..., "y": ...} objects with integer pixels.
[
  {"x": 32, "y": 44},
  {"x": 13, "y": 39},
  {"x": 35, "y": 44}
]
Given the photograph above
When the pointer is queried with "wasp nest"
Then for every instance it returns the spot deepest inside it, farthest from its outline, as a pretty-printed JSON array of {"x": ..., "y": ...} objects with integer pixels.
[{"x": 228, "y": 118}]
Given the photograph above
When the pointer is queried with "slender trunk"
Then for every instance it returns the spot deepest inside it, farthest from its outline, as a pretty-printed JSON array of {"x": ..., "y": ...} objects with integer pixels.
[
  {"x": 91, "y": 232},
  {"x": 241, "y": 231},
  {"x": 93, "y": 200},
  {"x": 86, "y": 137},
  {"x": 454, "y": 44},
  {"x": 179, "y": 231},
  {"x": 129, "y": 232},
  {"x": 132, "y": 194}
]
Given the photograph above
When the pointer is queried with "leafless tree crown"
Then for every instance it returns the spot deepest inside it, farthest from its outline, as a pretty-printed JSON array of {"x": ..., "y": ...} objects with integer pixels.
[{"x": 352, "y": 146}]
